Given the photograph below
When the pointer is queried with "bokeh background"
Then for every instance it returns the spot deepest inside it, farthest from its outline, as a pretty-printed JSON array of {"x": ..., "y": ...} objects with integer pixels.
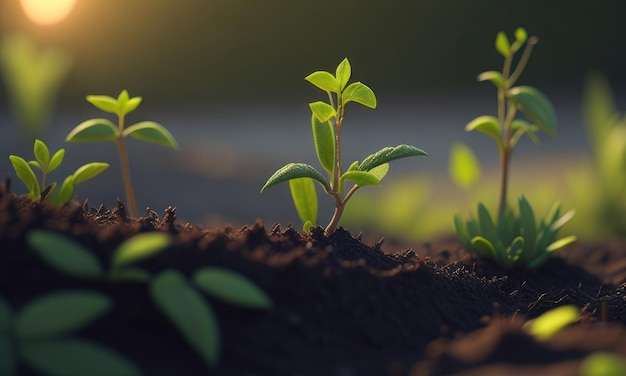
[{"x": 226, "y": 78}]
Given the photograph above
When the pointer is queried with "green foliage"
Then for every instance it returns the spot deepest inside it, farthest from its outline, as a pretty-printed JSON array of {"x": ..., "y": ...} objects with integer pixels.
[
  {"x": 603, "y": 364},
  {"x": 463, "y": 166},
  {"x": 231, "y": 287},
  {"x": 326, "y": 123},
  {"x": 515, "y": 240},
  {"x": 551, "y": 322},
  {"x": 40, "y": 336},
  {"x": 46, "y": 164},
  {"x": 101, "y": 129}
]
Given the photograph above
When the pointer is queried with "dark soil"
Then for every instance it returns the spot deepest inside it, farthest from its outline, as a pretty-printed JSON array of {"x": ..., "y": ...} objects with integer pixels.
[{"x": 341, "y": 307}]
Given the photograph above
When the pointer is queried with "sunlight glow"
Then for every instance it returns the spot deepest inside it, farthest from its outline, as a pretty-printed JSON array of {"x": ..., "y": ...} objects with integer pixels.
[{"x": 47, "y": 12}]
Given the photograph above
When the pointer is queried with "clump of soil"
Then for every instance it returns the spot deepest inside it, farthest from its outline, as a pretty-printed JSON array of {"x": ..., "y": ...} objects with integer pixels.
[{"x": 341, "y": 307}]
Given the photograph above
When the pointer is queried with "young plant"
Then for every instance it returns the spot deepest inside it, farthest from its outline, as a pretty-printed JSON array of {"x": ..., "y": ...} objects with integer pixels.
[
  {"x": 326, "y": 122},
  {"x": 513, "y": 241},
  {"x": 100, "y": 129},
  {"x": 46, "y": 164}
]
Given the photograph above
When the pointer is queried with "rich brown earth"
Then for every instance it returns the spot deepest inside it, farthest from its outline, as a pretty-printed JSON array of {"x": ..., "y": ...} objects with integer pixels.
[{"x": 341, "y": 307}]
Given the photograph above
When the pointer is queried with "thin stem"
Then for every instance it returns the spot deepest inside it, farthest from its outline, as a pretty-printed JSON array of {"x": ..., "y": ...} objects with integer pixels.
[
  {"x": 128, "y": 186},
  {"x": 523, "y": 60},
  {"x": 334, "y": 221}
]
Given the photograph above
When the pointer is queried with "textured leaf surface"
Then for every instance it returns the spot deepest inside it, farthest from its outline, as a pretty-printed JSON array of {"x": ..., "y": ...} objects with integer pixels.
[
  {"x": 140, "y": 247},
  {"x": 151, "y": 132},
  {"x": 536, "y": 106},
  {"x": 389, "y": 154},
  {"x": 93, "y": 130},
  {"x": 294, "y": 171},
  {"x": 231, "y": 287},
  {"x": 304, "y": 198}
]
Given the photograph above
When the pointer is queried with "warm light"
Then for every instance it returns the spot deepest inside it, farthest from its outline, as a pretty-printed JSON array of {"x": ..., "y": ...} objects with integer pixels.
[{"x": 47, "y": 12}]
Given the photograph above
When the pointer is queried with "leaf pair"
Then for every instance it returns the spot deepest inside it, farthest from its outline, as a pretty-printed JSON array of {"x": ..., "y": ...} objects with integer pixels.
[
  {"x": 46, "y": 164},
  {"x": 40, "y": 335}
]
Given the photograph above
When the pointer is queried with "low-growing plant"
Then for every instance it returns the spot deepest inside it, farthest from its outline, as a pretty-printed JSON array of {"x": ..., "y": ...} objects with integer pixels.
[
  {"x": 46, "y": 164},
  {"x": 513, "y": 239},
  {"x": 326, "y": 122},
  {"x": 101, "y": 129},
  {"x": 40, "y": 336}
]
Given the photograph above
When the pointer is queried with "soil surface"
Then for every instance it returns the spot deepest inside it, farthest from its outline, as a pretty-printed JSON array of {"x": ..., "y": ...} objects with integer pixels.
[{"x": 341, "y": 307}]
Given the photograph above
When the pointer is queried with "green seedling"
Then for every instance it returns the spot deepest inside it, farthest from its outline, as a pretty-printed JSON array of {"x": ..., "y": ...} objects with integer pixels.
[
  {"x": 40, "y": 336},
  {"x": 175, "y": 296},
  {"x": 513, "y": 240},
  {"x": 326, "y": 122},
  {"x": 100, "y": 129},
  {"x": 552, "y": 322},
  {"x": 46, "y": 164}
]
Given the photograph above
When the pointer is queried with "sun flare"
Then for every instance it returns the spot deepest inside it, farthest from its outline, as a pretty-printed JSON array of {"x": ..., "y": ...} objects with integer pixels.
[{"x": 47, "y": 12}]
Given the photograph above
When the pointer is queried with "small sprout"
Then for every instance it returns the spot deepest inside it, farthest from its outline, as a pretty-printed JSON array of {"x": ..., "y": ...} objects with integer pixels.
[
  {"x": 100, "y": 129},
  {"x": 551, "y": 322},
  {"x": 326, "y": 123},
  {"x": 46, "y": 164}
]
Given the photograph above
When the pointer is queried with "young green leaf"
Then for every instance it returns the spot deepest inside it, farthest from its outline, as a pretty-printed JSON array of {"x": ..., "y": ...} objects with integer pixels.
[
  {"x": 306, "y": 227},
  {"x": 94, "y": 130},
  {"x": 322, "y": 110},
  {"x": 324, "y": 81},
  {"x": 536, "y": 106},
  {"x": 361, "y": 178},
  {"x": 487, "y": 227},
  {"x": 359, "y": 93},
  {"x": 521, "y": 35},
  {"x": 60, "y": 313},
  {"x": 484, "y": 248},
  {"x": 343, "y": 73},
  {"x": 131, "y": 105},
  {"x": 488, "y": 125},
  {"x": 528, "y": 226},
  {"x": 64, "y": 254},
  {"x": 26, "y": 175},
  {"x": 56, "y": 160},
  {"x": 139, "y": 247},
  {"x": 494, "y": 76},
  {"x": 304, "y": 198},
  {"x": 65, "y": 192},
  {"x": 104, "y": 103},
  {"x": 189, "y": 313},
  {"x": 42, "y": 154},
  {"x": 389, "y": 154},
  {"x": 502, "y": 44},
  {"x": 463, "y": 166},
  {"x": 324, "y": 139},
  {"x": 551, "y": 322},
  {"x": 152, "y": 132},
  {"x": 380, "y": 171},
  {"x": 89, "y": 171},
  {"x": 561, "y": 243},
  {"x": 294, "y": 171},
  {"x": 75, "y": 357},
  {"x": 231, "y": 287}
]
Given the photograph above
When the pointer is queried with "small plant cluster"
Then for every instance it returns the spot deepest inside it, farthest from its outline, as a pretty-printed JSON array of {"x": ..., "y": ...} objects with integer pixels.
[
  {"x": 326, "y": 123},
  {"x": 513, "y": 239}
]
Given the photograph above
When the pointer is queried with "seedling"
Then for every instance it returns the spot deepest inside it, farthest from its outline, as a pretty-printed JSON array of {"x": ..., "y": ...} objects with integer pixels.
[
  {"x": 100, "y": 129},
  {"x": 46, "y": 164},
  {"x": 513, "y": 241},
  {"x": 40, "y": 336},
  {"x": 326, "y": 122}
]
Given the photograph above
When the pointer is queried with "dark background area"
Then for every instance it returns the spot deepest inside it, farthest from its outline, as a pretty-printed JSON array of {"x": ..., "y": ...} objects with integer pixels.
[{"x": 221, "y": 50}]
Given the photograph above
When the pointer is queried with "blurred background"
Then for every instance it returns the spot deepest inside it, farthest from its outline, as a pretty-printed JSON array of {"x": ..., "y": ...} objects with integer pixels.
[{"x": 227, "y": 79}]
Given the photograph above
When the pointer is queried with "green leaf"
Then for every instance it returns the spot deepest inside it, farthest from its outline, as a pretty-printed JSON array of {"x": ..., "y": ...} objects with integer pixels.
[
  {"x": 324, "y": 81},
  {"x": 461, "y": 230},
  {"x": 495, "y": 77},
  {"x": 8, "y": 356},
  {"x": 26, "y": 175},
  {"x": 140, "y": 247},
  {"x": 324, "y": 138},
  {"x": 483, "y": 248},
  {"x": 389, "y": 154},
  {"x": 94, "y": 130},
  {"x": 152, "y": 132},
  {"x": 189, "y": 313},
  {"x": 502, "y": 44},
  {"x": 294, "y": 171},
  {"x": 380, "y": 171},
  {"x": 104, "y": 103},
  {"x": 56, "y": 160},
  {"x": 42, "y": 154},
  {"x": 557, "y": 224},
  {"x": 359, "y": 93},
  {"x": 36, "y": 165},
  {"x": 89, "y": 171},
  {"x": 520, "y": 128},
  {"x": 65, "y": 192},
  {"x": 529, "y": 228},
  {"x": 602, "y": 363},
  {"x": 521, "y": 35},
  {"x": 361, "y": 178},
  {"x": 306, "y": 227},
  {"x": 60, "y": 313},
  {"x": 561, "y": 243},
  {"x": 551, "y": 322},
  {"x": 487, "y": 227},
  {"x": 304, "y": 198},
  {"x": 131, "y": 105},
  {"x": 463, "y": 166},
  {"x": 536, "y": 106},
  {"x": 354, "y": 166},
  {"x": 231, "y": 287},
  {"x": 75, "y": 357},
  {"x": 343, "y": 73},
  {"x": 488, "y": 125},
  {"x": 322, "y": 110},
  {"x": 64, "y": 254}
]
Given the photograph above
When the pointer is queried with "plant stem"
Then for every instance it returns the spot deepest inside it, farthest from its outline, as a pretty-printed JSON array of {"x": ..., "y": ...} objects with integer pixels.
[
  {"x": 334, "y": 221},
  {"x": 128, "y": 186}
]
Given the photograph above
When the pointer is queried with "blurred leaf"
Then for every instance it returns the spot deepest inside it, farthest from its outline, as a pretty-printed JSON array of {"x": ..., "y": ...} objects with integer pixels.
[
  {"x": 343, "y": 73},
  {"x": 322, "y": 110},
  {"x": 521, "y": 35},
  {"x": 294, "y": 171},
  {"x": 64, "y": 254},
  {"x": 152, "y": 132},
  {"x": 389, "y": 154},
  {"x": 42, "y": 154},
  {"x": 502, "y": 44},
  {"x": 602, "y": 363},
  {"x": 536, "y": 106},
  {"x": 324, "y": 81},
  {"x": 463, "y": 167},
  {"x": 140, "y": 247},
  {"x": 104, "y": 103},
  {"x": 598, "y": 107},
  {"x": 494, "y": 76},
  {"x": 324, "y": 138},
  {"x": 484, "y": 248},
  {"x": 60, "y": 313},
  {"x": 552, "y": 321},
  {"x": 89, "y": 171},
  {"x": 56, "y": 160},
  {"x": 26, "y": 175},
  {"x": 94, "y": 130},
  {"x": 304, "y": 198},
  {"x": 360, "y": 93},
  {"x": 361, "y": 178},
  {"x": 488, "y": 125},
  {"x": 131, "y": 105},
  {"x": 231, "y": 287},
  {"x": 561, "y": 243},
  {"x": 189, "y": 313},
  {"x": 75, "y": 357}
]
